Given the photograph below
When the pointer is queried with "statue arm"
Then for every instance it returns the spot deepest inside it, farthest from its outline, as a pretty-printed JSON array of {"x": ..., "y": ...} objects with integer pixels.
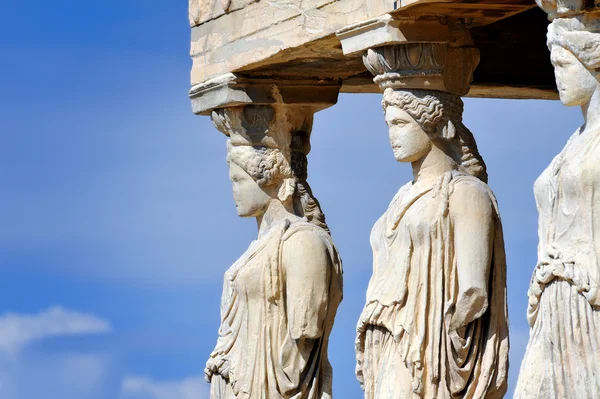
[
  {"x": 307, "y": 266},
  {"x": 472, "y": 216}
]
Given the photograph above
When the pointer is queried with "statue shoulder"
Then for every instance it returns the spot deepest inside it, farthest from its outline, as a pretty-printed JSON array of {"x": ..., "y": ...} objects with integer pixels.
[
  {"x": 401, "y": 192},
  {"x": 470, "y": 192},
  {"x": 306, "y": 233},
  {"x": 311, "y": 247}
]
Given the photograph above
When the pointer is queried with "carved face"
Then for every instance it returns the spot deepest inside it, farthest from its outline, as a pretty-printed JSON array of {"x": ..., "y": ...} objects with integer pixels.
[
  {"x": 250, "y": 199},
  {"x": 575, "y": 82},
  {"x": 409, "y": 141}
]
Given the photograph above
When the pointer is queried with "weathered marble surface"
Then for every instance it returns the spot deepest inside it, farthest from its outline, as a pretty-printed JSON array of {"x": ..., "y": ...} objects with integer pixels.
[
  {"x": 280, "y": 298},
  {"x": 251, "y": 31},
  {"x": 295, "y": 39},
  {"x": 433, "y": 54},
  {"x": 435, "y": 321},
  {"x": 563, "y": 353}
]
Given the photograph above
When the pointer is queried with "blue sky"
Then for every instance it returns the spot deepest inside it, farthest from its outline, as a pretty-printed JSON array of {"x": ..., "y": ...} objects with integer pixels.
[{"x": 117, "y": 216}]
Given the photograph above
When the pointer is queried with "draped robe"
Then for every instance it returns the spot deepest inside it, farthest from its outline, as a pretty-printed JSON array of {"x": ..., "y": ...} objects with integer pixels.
[
  {"x": 405, "y": 347},
  {"x": 563, "y": 355},
  {"x": 256, "y": 356}
]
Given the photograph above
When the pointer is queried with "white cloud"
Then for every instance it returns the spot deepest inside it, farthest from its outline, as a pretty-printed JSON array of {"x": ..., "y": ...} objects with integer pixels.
[
  {"x": 136, "y": 387},
  {"x": 19, "y": 330}
]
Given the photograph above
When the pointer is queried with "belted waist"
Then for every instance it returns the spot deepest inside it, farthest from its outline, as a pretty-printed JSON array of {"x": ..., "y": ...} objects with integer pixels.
[{"x": 553, "y": 265}]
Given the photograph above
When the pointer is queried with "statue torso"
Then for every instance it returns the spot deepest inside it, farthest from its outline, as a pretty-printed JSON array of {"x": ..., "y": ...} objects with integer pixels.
[{"x": 567, "y": 195}]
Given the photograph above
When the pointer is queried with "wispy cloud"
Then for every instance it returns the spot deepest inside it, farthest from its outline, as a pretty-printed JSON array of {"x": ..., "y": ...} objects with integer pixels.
[
  {"x": 18, "y": 330},
  {"x": 136, "y": 387}
]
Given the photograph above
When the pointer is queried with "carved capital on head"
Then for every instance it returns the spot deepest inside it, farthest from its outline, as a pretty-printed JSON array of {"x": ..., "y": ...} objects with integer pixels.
[
  {"x": 430, "y": 54},
  {"x": 430, "y": 66},
  {"x": 405, "y": 59},
  {"x": 282, "y": 127}
]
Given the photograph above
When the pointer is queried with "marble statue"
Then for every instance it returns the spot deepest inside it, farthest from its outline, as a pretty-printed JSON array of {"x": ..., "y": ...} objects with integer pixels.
[
  {"x": 563, "y": 355},
  {"x": 280, "y": 297},
  {"x": 435, "y": 321}
]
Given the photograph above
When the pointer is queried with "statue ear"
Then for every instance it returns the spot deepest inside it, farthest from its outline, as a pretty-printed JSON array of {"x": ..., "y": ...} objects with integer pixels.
[
  {"x": 449, "y": 131},
  {"x": 287, "y": 189}
]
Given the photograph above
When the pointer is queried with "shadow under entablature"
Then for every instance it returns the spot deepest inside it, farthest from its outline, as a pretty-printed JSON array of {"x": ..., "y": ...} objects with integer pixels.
[{"x": 515, "y": 62}]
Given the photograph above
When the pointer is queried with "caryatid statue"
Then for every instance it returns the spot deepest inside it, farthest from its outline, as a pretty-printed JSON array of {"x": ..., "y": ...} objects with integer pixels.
[
  {"x": 280, "y": 297},
  {"x": 435, "y": 320},
  {"x": 563, "y": 355}
]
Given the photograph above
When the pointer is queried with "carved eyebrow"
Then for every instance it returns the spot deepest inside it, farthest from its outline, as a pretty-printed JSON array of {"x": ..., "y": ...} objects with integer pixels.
[{"x": 398, "y": 119}]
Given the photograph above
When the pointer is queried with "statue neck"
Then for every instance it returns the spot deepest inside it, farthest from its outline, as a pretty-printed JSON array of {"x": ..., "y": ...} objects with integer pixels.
[
  {"x": 432, "y": 166},
  {"x": 591, "y": 111},
  {"x": 275, "y": 213}
]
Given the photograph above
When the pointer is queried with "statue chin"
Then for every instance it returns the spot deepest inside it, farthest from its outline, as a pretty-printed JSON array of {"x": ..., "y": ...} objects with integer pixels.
[
  {"x": 573, "y": 96},
  {"x": 244, "y": 213}
]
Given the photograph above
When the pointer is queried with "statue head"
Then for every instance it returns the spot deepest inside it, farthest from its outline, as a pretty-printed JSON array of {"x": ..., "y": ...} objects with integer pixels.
[
  {"x": 258, "y": 176},
  {"x": 420, "y": 119},
  {"x": 575, "y": 53},
  {"x": 267, "y": 156}
]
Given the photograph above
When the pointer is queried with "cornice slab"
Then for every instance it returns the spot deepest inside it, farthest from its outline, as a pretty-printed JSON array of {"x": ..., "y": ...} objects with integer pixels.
[
  {"x": 387, "y": 30},
  {"x": 230, "y": 90}
]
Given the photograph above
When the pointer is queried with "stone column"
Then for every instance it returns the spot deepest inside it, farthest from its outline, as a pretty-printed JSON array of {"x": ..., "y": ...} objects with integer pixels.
[
  {"x": 563, "y": 353},
  {"x": 274, "y": 331},
  {"x": 435, "y": 324}
]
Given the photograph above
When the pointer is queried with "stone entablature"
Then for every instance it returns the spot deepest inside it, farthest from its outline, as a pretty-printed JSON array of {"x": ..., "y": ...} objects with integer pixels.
[{"x": 297, "y": 39}]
